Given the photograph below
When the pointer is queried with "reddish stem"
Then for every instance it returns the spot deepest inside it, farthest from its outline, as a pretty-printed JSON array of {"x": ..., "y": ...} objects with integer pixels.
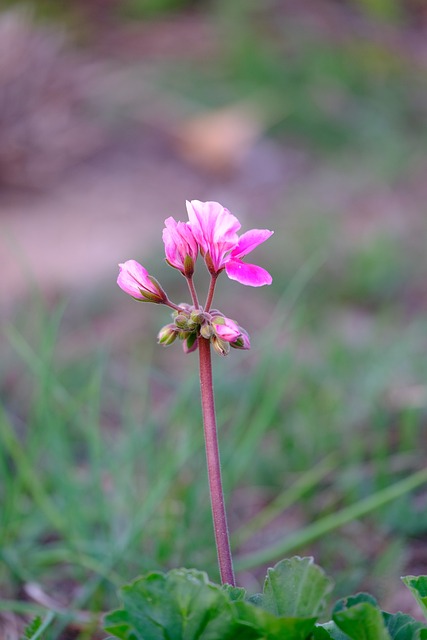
[
  {"x": 214, "y": 467},
  {"x": 211, "y": 292},
  {"x": 193, "y": 292}
]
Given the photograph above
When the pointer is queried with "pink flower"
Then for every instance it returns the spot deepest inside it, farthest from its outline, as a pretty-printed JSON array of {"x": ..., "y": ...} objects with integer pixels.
[
  {"x": 215, "y": 230},
  {"x": 137, "y": 282},
  {"x": 226, "y": 329},
  {"x": 249, "y": 274},
  {"x": 180, "y": 246}
]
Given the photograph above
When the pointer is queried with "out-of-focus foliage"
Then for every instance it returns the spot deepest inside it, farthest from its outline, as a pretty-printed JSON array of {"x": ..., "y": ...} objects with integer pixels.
[
  {"x": 44, "y": 124},
  {"x": 139, "y": 9}
]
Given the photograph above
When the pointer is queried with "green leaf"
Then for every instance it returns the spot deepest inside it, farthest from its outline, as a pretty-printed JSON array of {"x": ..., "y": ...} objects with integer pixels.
[
  {"x": 403, "y": 627},
  {"x": 271, "y": 627},
  {"x": 328, "y": 631},
  {"x": 296, "y": 588},
  {"x": 362, "y": 621},
  {"x": 350, "y": 601},
  {"x": 320, "y": 633},
  {"x": 181, "y": 605},
  {"x": 418, "y": 588},
  {"x": 234, "y": 593}
]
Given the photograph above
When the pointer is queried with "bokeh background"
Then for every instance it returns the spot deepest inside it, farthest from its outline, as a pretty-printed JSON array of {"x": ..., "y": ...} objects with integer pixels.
[{"x": 309, "y": 118}]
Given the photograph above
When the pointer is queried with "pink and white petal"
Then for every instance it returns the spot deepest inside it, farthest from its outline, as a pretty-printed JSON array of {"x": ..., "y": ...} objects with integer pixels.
[
  {"x": 249, "y": 240},
  {"x": 249, "y": 274},
  {"x": 133, "y": 277},
  {"x": 226, "y": 225},
  {"x": 195, "y": 217},
  {"x": 211, "y": 222},
  {"x": 128, "y": 285}
]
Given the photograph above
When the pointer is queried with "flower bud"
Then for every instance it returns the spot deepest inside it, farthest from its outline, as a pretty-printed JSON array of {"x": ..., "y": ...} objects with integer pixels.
[
  {"x": 181, "y": 321},
  {"x": 181, "y": 248},
  {"x": 137, "y": 282},
  {"x": 206, "y": 331},
  {"x": 225, "y": 328},
  {"x": 222, "y": 347},
  {"x": 167, "y": 335},
  {"x": 242, "y": 341},
  {"x": 197, "y": 316}
]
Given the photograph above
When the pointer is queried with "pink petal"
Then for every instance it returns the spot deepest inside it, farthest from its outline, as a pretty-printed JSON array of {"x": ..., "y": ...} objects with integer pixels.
[
  {"x": 249, "y": 274},
  {"x": 179, "y": 243},
  {"x": 133, "y": 277},
  {"x": 212, "y": 224},
  {"x": 227, "y": 329},
  {"x": 249, "y": 240}
]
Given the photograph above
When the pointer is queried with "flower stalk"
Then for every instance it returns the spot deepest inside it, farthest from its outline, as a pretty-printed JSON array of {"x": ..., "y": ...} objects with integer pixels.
[
  {"x": 211, "y": 232},
  {"x": 219, "y": 516},
  {"x": 211, "y": 292}
]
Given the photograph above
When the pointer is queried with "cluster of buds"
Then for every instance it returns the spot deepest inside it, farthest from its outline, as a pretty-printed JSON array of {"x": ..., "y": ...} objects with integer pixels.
[
  {"x": 191, "y": 323},
  {"x": 211, "y": 231}
]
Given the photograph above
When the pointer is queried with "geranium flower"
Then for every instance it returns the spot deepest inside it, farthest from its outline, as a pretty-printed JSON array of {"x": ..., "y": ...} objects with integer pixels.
[
  {"x": 137, "y": 282},
  {"x": 180, "y": 246}
]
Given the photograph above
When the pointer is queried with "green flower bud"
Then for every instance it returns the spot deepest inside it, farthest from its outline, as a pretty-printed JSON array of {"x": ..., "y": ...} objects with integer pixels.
[
  {"x": 221, "y": 346},
  {"x": 197, "y": 316},
  {"x": 206, "y": 331},
  {"x": 167, "y": 335},
  {"x": 181, "y": 321}
]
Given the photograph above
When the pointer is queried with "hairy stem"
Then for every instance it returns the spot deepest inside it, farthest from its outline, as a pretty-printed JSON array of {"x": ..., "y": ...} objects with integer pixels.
[
  {"x": 172, "y": 305},
  {"x": 193, "y": 292},
  {"x": 211, "y": 292},
  {"x": 214, "y": 468}
]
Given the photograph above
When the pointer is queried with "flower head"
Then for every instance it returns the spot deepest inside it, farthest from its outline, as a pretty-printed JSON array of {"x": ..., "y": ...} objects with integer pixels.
[
  {"x": 180, "y": 246},
  {"x": 137, "y": 282},
  {"x": 215, "y": 230}
]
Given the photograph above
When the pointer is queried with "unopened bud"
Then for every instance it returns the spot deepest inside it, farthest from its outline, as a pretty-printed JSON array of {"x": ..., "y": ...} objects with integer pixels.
[
  {"x": 160, "y": 296},
  {"x": 197, "y": 316},
  {"x": 181, "y": 321},
  {"x": 167, "y": 335},
  {"x": 191, "y": 326},
  {"x": 225, "y": 328},
  {"x": 221, "y": 346},
  {"x": 242, "y": 341},
  {"x": 206, "y": 331}
]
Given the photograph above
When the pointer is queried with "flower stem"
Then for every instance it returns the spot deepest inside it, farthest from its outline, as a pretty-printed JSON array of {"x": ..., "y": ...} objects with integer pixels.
[
  {"x": 172, "y": 305},
  {"x": 214, "y": 468},
  {"x": 211, "y": 292},
  {"x": 193, "y": 292}
]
